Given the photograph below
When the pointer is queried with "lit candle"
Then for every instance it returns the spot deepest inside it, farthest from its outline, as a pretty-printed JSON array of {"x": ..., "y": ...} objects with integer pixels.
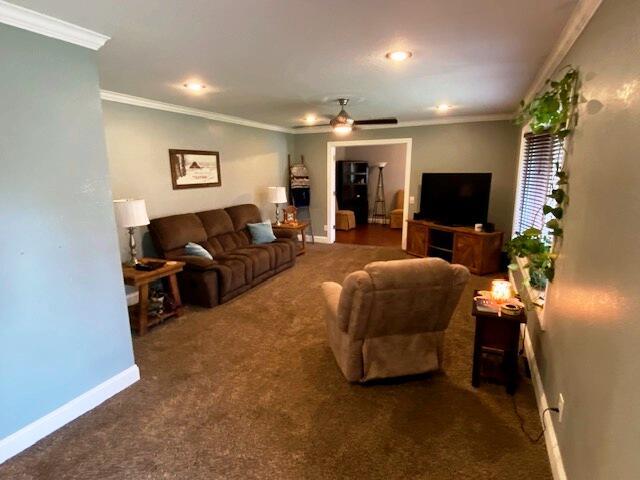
[{"x": 500, "y": 290}]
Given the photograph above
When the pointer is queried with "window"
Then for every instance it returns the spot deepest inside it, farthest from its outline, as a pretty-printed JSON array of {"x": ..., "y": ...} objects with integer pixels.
[{"x": 542, "y": 155}]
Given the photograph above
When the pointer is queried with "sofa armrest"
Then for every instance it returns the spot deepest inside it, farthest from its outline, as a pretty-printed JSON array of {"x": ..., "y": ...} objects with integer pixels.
[
  {"x": 193, "y": 262},
  {"x": 331, "y": 292}
]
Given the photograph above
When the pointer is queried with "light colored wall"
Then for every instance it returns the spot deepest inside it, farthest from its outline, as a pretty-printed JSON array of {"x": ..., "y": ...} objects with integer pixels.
[
  {"x": 64, "y": 327},
  {"x": 138, "y": 143},
  {"x": 463, "y": 147},
  {"x": 589, "y": 352},
  {"x": 393, "y": 175}
]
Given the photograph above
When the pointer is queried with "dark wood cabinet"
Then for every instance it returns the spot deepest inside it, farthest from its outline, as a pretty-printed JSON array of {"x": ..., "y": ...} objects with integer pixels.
[
  {"x": 495, "y": 347},
  {"x": 478, "y": 251},
  {"x": 352, "y": 188}
]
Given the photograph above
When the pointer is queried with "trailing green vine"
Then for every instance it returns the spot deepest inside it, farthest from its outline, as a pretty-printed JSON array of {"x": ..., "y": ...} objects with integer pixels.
[{"x": 552, "y": 112}]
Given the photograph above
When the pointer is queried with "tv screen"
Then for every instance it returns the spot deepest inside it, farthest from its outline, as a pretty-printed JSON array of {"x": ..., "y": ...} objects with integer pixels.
[{"x": 455, "y": 198}]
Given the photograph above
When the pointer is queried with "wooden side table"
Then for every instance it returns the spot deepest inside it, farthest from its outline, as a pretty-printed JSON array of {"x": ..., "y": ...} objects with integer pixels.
[
  {"x": 141, "y": 279},
  {"x": 300, "y": 227},
  {"x": 496, "y": 336}
]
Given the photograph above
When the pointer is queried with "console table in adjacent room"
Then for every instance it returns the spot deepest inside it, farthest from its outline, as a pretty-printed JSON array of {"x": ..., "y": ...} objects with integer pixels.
[{"x": 478, "y": 251}]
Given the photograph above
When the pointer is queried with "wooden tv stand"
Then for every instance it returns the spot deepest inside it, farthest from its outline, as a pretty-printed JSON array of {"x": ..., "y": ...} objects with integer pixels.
[{"x": 478, "y": 251}]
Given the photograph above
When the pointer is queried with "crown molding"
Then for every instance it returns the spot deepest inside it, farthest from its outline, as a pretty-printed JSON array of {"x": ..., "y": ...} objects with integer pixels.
[
  {"x": 26, "y": 19},
  {"x": 493, "y": 117},
  {"x": 194, "y": 112},
  {"x": 110, "y": 96},
  {"x": 577, "y": 22}
]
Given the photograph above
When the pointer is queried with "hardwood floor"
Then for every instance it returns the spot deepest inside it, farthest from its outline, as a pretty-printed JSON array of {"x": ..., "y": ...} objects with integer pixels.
[{"x": 371, "y": 234}]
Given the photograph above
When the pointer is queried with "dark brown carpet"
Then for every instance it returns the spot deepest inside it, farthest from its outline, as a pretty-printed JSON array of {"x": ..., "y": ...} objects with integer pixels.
[{"x": 250, "y": 390}]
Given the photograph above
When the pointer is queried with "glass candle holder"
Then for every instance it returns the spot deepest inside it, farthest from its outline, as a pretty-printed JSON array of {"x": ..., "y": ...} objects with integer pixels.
[{"x": 500, "y": 290}]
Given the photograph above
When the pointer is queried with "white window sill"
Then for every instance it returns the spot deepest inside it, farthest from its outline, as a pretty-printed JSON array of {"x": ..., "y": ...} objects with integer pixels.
[{"x": 530, "y": 296}]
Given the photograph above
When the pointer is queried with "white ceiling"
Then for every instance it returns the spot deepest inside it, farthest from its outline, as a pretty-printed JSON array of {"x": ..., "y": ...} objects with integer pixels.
[{"x": 273, "y": 61}]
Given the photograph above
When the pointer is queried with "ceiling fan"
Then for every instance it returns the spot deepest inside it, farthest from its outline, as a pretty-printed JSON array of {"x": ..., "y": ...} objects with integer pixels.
[{"x": 342, "y": 123}]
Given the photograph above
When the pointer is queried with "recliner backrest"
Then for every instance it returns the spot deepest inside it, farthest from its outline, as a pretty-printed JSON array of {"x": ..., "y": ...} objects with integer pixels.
[{"x": 401, "y": 297}]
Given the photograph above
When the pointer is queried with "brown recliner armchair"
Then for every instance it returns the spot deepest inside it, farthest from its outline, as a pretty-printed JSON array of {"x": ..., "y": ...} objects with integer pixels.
[
  {"x": 237, "y": 264},
  {"x": 389, "y": 319}
]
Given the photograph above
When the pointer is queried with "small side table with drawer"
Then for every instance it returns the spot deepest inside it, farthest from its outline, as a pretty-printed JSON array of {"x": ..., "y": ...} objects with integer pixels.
[{"x": 141, "y": 279}]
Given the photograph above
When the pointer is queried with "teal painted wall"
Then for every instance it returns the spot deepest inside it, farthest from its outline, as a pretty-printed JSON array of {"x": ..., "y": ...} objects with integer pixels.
[{"x": 63, "y": 325}]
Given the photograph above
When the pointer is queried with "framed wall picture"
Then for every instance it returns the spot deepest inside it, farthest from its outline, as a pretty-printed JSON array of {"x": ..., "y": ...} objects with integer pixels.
[{"x": 194, "y": 169}]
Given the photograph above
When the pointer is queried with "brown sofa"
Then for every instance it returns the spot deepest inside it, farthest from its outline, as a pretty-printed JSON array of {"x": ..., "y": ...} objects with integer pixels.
[{"x": 237, "y": 264}]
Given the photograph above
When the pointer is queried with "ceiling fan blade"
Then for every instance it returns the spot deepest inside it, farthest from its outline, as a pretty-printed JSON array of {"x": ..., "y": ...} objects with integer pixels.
[
  {"x": 311, "y": 126},
  {"x": 377, "y": 121}
]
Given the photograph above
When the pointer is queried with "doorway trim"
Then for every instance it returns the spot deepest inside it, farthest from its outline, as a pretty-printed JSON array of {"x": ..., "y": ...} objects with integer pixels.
[{"x": 331, "y": 180}]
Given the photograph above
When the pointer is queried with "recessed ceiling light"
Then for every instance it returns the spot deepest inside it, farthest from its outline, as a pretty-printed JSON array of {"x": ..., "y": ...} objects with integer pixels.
[
  {"x": 398, "y": 56},
  {"x": 443, "y": 107},
  {"x": 310, "y": 118},
  {"x": 196, "y": 87}
]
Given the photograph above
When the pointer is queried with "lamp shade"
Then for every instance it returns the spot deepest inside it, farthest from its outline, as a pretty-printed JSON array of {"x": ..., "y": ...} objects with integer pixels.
[
  {"x": 277, "y": 195},
  {"x": 131, "y": 213}
]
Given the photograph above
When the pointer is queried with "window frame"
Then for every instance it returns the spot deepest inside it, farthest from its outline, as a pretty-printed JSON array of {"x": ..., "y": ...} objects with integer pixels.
[{"x": 535, "y": 297}]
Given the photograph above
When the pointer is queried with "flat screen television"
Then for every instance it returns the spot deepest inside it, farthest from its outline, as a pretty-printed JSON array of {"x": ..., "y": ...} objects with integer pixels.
[{"x": 455, "y": 198}]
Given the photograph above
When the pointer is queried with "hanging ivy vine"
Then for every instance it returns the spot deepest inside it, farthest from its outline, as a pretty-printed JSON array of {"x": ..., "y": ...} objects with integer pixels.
[{"x": 552, "y": 112}]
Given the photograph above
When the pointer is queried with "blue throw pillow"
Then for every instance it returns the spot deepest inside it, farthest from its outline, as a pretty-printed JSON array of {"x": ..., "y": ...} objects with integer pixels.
[
  {"x": 197, "y": 250},
  {"x": 261, "y": 232}
]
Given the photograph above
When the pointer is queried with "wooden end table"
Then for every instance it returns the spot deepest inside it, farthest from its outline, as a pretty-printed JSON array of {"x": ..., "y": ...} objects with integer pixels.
[
  {"x": 141, "y": 279},
  {"x": 497, "y": 336},
  {"x": 300, "y": 227}
]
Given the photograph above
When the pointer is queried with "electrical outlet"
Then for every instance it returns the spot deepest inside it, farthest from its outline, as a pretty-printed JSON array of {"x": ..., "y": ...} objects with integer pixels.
[
  {"x": 326, "y": 228},
  {"x": 412, "y": 200},
  {"x": 560, "y": 407}
]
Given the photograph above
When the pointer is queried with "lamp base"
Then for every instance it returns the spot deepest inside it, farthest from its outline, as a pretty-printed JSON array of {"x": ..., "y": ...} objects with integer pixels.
[
  {"x": 133, "y": 261},
  {"x": 278, "y": 223}
]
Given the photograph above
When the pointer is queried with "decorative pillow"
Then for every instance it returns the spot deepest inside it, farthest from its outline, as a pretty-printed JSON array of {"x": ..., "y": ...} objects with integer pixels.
[
  {"x": 261, "y": 232},
  {"x": 197, "y": 250}
]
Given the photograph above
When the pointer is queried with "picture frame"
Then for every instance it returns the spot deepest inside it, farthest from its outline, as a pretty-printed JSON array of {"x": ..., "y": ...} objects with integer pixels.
[{"x": 194, "y": 169}]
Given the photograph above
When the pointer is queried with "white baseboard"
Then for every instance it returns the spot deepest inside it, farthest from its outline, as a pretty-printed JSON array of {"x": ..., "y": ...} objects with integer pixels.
[
  {"x": 553, "y": 449},
  {"x": 27, "y": 436},
  {"x": 318, "y": 239}
]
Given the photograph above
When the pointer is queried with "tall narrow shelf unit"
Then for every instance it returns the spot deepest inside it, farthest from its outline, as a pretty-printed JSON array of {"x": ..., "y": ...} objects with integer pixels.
[
  {"x": 352, "y": 188},
  {"x": 478, "y": 251}
]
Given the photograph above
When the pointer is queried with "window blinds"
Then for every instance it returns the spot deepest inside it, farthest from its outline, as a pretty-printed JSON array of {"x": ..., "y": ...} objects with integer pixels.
[{"x": 543, "y": 154}]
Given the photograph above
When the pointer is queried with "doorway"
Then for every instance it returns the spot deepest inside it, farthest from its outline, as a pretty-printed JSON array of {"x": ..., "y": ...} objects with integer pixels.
[{"x": 355, "y": 157}]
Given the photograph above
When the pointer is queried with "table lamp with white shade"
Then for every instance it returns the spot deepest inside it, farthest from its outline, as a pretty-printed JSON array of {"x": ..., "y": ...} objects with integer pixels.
[
  {"x": 130, "y": 214},
  {"x": 277, "y": 195}
]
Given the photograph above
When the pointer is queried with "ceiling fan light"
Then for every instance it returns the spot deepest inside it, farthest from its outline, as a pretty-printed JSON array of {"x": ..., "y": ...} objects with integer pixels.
[{"x": 342, "y": 129}]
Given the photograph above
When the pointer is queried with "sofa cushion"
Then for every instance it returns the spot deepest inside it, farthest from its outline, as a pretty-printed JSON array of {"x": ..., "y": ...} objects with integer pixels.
[
  {"x": 261, "y": 259},
  {"x": 216, "y": 222},
  {"x": 230, "y": 241},
  {"x": 233, "y": 273},
  {"x": 243, "y": 214},
  {"x": 176, "y": 231}
]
